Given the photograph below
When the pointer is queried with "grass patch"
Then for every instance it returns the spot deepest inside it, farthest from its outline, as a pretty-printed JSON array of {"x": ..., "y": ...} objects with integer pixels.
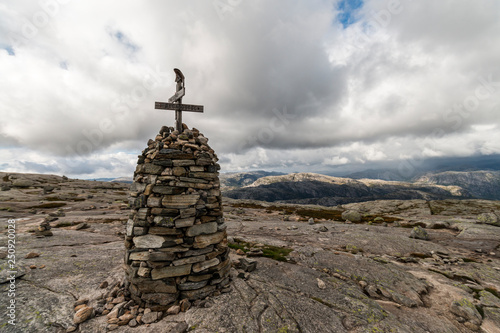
[
  {"x": 5, "y": 178},
  {"x": 276, "y": 253},
  {"x": 50, "y": 205},
  {"x": 269, "y": 251}
]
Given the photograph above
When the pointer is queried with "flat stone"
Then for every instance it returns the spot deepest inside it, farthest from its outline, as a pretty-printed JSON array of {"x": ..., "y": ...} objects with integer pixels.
[
  {"x": 164, "y": 231},
  {"x": 197, "y": 278},
  {"x": 164, "y": 221},
  {"x": 189, "y": 260},
  {"x": 183, "y": 162},
  {"x": 202, "y": 229},
  {"x": 158, "y": 286},
  {"x": 174, "y": 154},
  {"x": 164, "y": 212},
  {"x": 198, "y": 252},
  {"x": 149, "y": 242},
  {"x": 182, "y": 223},
  {"x": 161, "y": 256},
  {"x": 180, "y": 201},
  {"x": 150, "y": 317},
  {"x": 198, "y": 293},
  {"x": 170, "y": 271},
  {"x": 167, "y": 189},
  {"x": 144, "y": 271},
  {"x": 154, "y": 201},
  {"x": 206, "y": 240},
  {"x": 192, "y": 285},
  {"x": 160, "y": 298},
  {"x": 142, "y": 256},
  {"x": 152, "y": 169},
  {"x": 188, "y": 212},
  {"x": 201, "y": 266}
]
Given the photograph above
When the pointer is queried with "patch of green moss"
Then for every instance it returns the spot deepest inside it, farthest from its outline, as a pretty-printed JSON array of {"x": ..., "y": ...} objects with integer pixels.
[
  {"x": 8, "y": 209},
  {"x": 276, "y": 253}
]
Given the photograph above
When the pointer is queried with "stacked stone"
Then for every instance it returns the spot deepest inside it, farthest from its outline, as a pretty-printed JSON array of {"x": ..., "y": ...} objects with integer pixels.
[{"x": 176, "y": 236}]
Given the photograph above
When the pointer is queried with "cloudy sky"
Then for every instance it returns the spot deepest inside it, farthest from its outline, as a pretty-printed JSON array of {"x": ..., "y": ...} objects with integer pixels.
[{"x": 322, "y": 86}]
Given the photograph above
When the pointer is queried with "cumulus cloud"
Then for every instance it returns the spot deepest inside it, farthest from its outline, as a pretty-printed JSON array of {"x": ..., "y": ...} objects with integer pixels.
[{"x": 289, "y": 86}]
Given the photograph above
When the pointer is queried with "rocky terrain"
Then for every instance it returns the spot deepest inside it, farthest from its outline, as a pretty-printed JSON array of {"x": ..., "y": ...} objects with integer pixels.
[
  {"x": 310, "y": 188},
  {"x": 480, "y": 184},
  {"x": 375, "y": 266},
  {"x": 234, "y": 180}
]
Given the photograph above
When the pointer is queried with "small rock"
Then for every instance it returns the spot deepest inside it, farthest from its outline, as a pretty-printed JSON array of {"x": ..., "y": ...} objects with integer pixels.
[
  {"x": 82, "y": 315},
  {"x": 82, "y": 226},
  {"x": 149, "y": 317},
  {"x": 311, "y": 221},
  {"x": 351, "y": 215},
  {"x": 103, "y": 285},
  {"x": 132, "y": 323},
  {"x": 240, "y": 252},
  {"x": 185, "y": 305},
  {"x": 323, "y": 229},
  {"x": 41, "y": 267},
  {"x": 247, "y": 265},
  {"x": 180, "y": 328},
  {"x": 419, "y": 233},
  {"x": 173, "y": 310},
  {"x": 32, "y": 255},
  {"x": 112, "y": 327},
  {"x": 33, "y": 266},
  {"x": 488, "y": 218},
  {"x": 71, "y": 329},
  {"x": 321, "y": 284}
]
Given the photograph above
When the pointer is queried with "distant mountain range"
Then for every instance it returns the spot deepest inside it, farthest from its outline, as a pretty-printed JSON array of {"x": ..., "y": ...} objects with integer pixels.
[{"x": 310, "y": 188}]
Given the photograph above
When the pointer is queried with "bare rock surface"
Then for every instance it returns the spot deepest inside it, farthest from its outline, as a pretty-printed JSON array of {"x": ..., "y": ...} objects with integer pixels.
[{"x": 374, "y": 277}]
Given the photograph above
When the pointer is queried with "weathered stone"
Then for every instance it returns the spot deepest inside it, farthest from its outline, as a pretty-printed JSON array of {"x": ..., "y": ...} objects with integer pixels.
[
  {"x": 198, "y": 252},
  {"x": 161, "y": 256},
  {"x": 198, "y": 293},
  {"x": 164, "y": 212},
  {"x": 201, "y": 266},
  {"x": 159, "y": 189},
  {"x": 174, "y": 154},
  {"x": 182, "y": 223},
  {"x": 488, "y": 218},
  {"x": 154, "y": 241},
  {"x": 163, "y": 221},
  {"x": 143, "y": 256},
  {"x": 164, "y": 231},
  {"x": 144, "y": 271},
  {"x": 466, "y": 309},
  {"x": 150, "y": 317},
  {"x": 142, "y": 213},
  {"x": 188, "y": 260},
  {"x": 419, "y": 233},
  {"x": 173, "y": 310},
  {"x": 158, "y": 286},
  {"x": 351, "y": 215},
  {"x": 188, "y": 212},
  {"x": 197, "y": 278},
  {"x": 170, "y": 271},
  {"x": 206, "y": 240},
  {"x": 192, "y": 285},
  {"x": 154, "y": 201},
  {"x": 196, "y": 168},
  {"x": 152, "y": 169},
  {"x": 82, "y": 315},
  {"x": 183, "y": 162},
  {"x": 180, "y": 201},
  {"x": 202, "y": 229}
]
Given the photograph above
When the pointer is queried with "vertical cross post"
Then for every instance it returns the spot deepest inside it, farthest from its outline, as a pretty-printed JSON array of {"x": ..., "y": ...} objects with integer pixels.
[{"x": 175, "y": 102}]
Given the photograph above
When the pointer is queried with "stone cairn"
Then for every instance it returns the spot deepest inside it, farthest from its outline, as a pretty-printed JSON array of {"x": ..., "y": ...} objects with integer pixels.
[{"x": 176, "y": 242}]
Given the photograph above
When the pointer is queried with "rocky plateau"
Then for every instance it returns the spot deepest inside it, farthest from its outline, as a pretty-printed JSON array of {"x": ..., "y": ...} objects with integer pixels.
[{"x": 417, "y": 265}]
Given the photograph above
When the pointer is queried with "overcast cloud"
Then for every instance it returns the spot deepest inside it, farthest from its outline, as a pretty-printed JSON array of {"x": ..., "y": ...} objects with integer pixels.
[{"x": 288, "y": 86}]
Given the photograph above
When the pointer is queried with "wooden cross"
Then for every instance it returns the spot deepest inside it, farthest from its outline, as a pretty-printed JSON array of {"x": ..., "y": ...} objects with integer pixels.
[{"x": 175, "y": 102}]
